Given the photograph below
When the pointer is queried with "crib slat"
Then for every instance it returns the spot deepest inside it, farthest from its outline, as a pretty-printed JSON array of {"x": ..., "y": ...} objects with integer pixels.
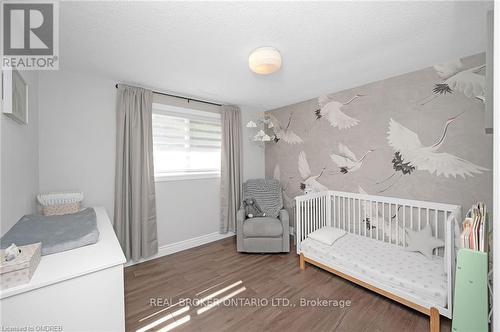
[
  {"x": 354, "y": 216},
  {"x": 300, "y": 221},
  {"x": 404, "y": 225},
  {"x": 343, "y": 213},
  {"x": 310, "y": 214},
  {"x": 370, "y": 215},
  {"x": 305, "y": 218},
  {"x": 354, "y": 220},
  {"x": 335, "y": 212},
  {"x": 359, "y": 216},
  {"x": 313, "y": 214},
  {"x": 397, "y": 225},
  {"x": 364, "y": 216},
  {"x": 303, "y": 207},
  {"x": 325, "y": 214},
  {"x": 367, "y": 216},
  {"x": 365, "y": 213},
  {"x": 349, "y": 214},
  {"x": 411, "y": 217},
  {"x": 436, "y": 223},
  {"x": 324, "y": 210},
  {"x": 390, "y": 223},
  {"x": 419, "y": 218},
  {"x": 308, "y": 217},
  {"x": 316, "y": 215},
  {"x": 383, "y": 221},
  {"x": 297, "y": 223},
  {"x": 320, "y": 212},
  {"x": 304, "y": 223},
  {"x": 339, "y": 212}
]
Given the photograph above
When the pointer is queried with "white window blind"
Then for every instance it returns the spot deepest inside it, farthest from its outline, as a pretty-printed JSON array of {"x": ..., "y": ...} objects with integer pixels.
[{"x": 186, "y": 142}]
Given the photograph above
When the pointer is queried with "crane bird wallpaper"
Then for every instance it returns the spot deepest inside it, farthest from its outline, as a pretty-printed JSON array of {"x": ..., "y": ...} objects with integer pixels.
[{"x": 419, "y": 136}]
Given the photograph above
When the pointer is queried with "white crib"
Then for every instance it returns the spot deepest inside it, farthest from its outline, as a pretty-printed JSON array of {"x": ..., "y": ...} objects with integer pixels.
[{"x": 358, "y": 213}]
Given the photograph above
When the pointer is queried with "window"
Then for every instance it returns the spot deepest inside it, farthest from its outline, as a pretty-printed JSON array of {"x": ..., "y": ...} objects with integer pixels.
[{"x": 186, "y": 143}]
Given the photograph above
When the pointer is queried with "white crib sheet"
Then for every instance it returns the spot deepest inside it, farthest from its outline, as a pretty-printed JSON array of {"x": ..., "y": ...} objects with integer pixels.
[{"x": 406, "y": 271}]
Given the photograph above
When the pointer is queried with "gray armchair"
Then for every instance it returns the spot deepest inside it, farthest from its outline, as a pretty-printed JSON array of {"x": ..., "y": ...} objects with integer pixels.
[{"x": 263, "y": 234}]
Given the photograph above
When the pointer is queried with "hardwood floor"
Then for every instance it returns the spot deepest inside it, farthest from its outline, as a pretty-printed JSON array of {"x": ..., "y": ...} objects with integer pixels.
[{"x": 217, "y": 271}]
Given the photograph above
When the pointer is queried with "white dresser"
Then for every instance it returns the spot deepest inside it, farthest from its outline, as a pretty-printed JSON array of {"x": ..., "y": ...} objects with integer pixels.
[{"x": 76, "y": 290}]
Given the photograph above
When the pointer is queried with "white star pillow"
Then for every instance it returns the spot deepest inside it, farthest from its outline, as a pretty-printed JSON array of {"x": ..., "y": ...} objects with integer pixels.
[{"x": 422, "y": 241}]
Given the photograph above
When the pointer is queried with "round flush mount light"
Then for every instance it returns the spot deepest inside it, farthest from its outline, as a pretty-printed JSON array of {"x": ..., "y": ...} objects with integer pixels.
[{"x": 264, "y": 60}]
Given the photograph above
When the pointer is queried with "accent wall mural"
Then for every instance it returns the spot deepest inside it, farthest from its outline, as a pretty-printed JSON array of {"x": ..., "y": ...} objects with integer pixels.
[{"x": 418, "y": 136}]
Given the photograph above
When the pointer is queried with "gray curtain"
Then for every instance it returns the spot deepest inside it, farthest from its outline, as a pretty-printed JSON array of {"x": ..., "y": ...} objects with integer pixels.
[
  {"x": 135, "y": 208},
  {"x": 231, "y": 175}
]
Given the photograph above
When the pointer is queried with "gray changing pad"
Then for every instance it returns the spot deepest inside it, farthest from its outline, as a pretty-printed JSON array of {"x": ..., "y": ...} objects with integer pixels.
[{"x": 57, "y": 233}]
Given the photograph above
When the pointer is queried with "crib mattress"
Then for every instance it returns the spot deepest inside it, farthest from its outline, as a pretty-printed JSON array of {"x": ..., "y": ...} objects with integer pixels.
[{"x": 409, "y": 272}]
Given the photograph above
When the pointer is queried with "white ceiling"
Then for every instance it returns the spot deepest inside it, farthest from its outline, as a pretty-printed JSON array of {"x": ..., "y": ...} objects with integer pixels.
[{"x": 201, "y": 48}]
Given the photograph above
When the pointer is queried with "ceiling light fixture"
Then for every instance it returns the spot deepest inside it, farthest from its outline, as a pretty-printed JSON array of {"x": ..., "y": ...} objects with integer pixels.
[{"x": 264, "y": 60}]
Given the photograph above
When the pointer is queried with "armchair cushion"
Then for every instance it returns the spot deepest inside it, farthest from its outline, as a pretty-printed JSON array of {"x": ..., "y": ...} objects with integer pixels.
[{"x": 262, "y": 227}]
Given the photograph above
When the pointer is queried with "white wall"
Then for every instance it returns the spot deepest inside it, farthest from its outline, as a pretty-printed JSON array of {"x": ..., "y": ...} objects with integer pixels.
[
  {"x": 77, "y": 152},
  {"x": 19, "y": 160},
  {"x": 253, "y": 154},
  {"x": 77, "y": 136},
  {"x": 187, "y": 209}
]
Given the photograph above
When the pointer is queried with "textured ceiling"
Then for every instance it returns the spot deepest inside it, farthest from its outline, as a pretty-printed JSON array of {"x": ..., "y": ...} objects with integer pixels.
[{"x": 201, "y": 48}]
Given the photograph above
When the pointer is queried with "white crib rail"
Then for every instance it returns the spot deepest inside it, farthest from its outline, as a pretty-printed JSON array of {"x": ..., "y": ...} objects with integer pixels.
[
  {"x": 378, "y": 217},
  {"x": 312, "y": 212}
]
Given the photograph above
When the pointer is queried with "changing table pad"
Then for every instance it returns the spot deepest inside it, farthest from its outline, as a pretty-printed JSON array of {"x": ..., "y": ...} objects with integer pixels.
[
  {"x": 410, "y": 272},
  {"x": 56, "y": 233}
]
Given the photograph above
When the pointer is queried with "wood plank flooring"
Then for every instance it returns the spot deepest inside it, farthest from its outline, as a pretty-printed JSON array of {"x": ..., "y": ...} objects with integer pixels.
[{"x": 271, "y": 279}]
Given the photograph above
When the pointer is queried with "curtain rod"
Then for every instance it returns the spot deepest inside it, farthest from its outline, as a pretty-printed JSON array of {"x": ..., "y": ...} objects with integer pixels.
[{"x": 181, "y": 97}]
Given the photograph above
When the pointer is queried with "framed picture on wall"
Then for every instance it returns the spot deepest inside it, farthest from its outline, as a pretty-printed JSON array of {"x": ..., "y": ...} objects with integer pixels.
[{"x": 14, "y": 96}]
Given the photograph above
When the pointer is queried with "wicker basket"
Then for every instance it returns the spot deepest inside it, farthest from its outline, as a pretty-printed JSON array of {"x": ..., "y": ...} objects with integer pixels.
[
  {"x": 56, "y": 210},
  {"x": 60, "y": 203}
]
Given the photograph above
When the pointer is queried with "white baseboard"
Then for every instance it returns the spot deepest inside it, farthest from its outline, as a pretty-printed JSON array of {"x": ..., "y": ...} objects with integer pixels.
[{"x": 172, "y": 248}]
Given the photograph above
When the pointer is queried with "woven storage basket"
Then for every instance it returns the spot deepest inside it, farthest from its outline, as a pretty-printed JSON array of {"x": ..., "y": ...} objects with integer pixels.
[
  {"x": 56, "y": 210},
  {"x": 60, "y": 203}
]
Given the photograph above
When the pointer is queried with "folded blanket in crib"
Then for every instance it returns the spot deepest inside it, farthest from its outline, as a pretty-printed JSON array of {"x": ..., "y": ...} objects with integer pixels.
[{"x": 56, "y": 233}]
